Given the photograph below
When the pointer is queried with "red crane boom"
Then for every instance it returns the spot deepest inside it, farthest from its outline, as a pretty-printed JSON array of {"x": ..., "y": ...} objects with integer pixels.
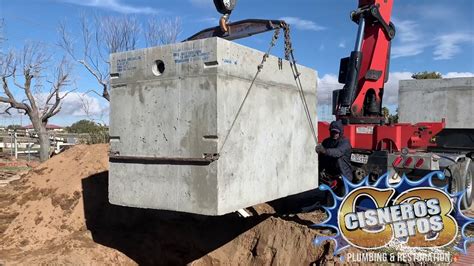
[{"x": 364, "y": 74}]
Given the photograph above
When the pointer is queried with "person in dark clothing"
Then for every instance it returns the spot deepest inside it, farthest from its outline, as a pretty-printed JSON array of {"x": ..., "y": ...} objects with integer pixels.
[
  {"x": 335, "y": 153},
  {"x": 334, "y": 162}
]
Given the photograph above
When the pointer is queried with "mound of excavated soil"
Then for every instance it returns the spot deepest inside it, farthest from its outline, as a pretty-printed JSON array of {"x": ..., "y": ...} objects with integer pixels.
[
  {"x": 59, "y": 213},
  {"x": 42, "y": 214}
]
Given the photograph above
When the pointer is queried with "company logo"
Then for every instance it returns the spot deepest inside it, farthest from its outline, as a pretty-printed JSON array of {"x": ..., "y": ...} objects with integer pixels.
[
  {"x": 421, "y": 217},
  {"x": 416, "y": 214}
]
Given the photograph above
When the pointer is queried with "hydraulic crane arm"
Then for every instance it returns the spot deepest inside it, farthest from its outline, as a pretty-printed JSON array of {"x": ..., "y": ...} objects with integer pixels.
[{"x": 365, "y": 72}]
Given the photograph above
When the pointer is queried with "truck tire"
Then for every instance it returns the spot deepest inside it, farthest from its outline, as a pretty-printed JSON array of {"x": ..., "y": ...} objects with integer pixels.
[
  {"x": 459, "y": 182},
  {"x": 468, "y": 183}
]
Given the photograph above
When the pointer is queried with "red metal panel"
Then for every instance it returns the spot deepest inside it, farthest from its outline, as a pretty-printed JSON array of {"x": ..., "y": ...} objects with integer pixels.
[
  {"x": 323, "y": 131},
  {"x": 388, "y": 137}
]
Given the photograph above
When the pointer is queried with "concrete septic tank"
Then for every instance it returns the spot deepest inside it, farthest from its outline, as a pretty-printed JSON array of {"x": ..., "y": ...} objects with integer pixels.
[
  {"x": 171, "y": 111},
  {"x": 435, "y": 99}
]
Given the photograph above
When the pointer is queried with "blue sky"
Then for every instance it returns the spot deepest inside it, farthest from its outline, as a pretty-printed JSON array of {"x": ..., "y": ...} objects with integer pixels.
[{"x": 435, "y": 35}]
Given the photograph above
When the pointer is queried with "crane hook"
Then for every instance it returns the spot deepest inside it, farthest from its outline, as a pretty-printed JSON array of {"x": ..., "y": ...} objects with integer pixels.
[{"x": 225, "y": 7}]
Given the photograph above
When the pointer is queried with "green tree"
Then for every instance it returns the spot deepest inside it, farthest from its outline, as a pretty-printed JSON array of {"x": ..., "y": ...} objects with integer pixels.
[
  {"x": 385, "y": 112},
  {"x": 95, "y": 133},
  {"x": 427, "y": 75},
  {"x": 84, "y": 126},
  {"x": 13, "y": 127},
  {"x": 393, "y": 118}
]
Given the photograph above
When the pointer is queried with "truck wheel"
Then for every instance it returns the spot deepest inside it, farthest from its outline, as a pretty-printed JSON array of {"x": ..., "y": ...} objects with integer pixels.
[
  {"x": 467, "y": 198},
  {"x": 456, "y": 183},
  {"x": 359, "y": 175},
  {"x": 460, "y": 183}
]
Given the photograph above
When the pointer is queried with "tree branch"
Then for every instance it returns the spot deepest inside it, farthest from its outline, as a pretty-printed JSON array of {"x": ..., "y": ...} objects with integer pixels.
[
  {"x": 65, "y": 41},
  {"x": 27, "y": 88},
  {"x": 62, "y": 80},
  {"x": 105, "y": 86},
  {"x": 10, "y": 99}
]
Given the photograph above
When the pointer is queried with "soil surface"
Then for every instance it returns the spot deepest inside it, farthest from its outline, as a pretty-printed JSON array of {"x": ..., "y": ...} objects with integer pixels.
[{"x": 58, "y": 213}]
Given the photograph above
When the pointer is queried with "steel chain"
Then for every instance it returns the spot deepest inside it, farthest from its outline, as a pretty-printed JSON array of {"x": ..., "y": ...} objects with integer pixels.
[
  {"x": 275, "y": 37},
  {"x": 289, "y": 56}
]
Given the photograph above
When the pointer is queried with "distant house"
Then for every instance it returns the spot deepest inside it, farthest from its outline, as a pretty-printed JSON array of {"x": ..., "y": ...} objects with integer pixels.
[{"x": 49, "y": 127}]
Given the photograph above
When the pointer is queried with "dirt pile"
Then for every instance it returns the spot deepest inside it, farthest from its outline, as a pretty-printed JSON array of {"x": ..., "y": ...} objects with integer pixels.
[
  {"x": 42, "y": 214},
  {"x": 59, "y": 213}
]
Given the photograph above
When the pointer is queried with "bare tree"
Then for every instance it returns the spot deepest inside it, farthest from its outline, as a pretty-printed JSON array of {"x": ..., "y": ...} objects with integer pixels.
[
  {"x": 162, "y": 31},
  {"x": 27, "y": 70},
  {"x": 2, "y": 23},
  {"x": 118, "y": 33},
  {"x": 2, "y": 39},
  {"x": 86, "y": 106},
  {"x": 103, "y": 36}
]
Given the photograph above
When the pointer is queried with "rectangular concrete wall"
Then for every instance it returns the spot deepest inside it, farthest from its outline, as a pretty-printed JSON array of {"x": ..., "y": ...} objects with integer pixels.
[
  {"x": 433, "y": 100},
  {"x": 162, "y": 125}
]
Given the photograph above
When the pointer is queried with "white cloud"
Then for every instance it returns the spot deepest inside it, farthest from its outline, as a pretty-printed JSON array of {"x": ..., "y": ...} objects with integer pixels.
[
  {"x": 13, "y": 112},
  {"x": 75, "y": 105},
  {"x": 438, "y": 12},
  {"x": 411, "y": 40},
  {"x": 303, "y": 24},
  {"x": 407, "y": 31},
  {"x": 390, "y": 96},
  {"x": 406, "y": 50},
  {"x": 342, "y": 44},
  {"x": 458, "y": 75},
  {"x": 326, "y": 85},
  {"x": 448, "y": 45},
  {"x": 408, "y": 41},
  {"x": 79, "y": 104},
  {"x": 114, "y": 5}
]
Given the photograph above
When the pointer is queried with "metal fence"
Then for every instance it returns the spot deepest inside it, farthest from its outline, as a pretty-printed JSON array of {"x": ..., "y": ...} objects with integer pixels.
[{"x": 22, "y": 144}]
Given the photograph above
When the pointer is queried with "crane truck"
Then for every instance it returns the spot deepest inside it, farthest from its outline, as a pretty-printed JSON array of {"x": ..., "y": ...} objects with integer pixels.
[{"x": 379, "y": 146}]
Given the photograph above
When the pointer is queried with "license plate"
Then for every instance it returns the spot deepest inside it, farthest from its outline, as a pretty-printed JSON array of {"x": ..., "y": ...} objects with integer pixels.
[
  {"x": 365, "y": 130},
  {"x": 359, "y": 158}
]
